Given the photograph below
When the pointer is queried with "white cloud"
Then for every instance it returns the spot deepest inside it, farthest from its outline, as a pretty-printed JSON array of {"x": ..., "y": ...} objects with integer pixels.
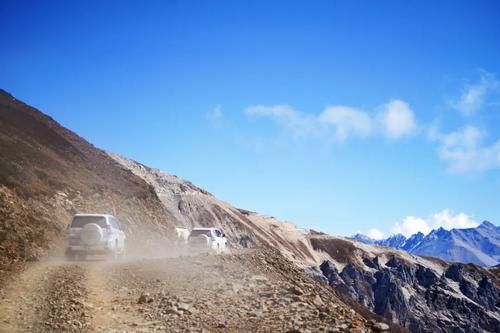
[
  {"x": 395, "y": 120},
  {"x": 346, "y": 121},
  {"x": 411, "y": 225},
  {"x": 465, "y": 151},
  {"x": 445, "y": 219},
  {"x": 473, "y": 96},
  {"x": 375, "y": 233},
  {"x": 297, "y": 122}
]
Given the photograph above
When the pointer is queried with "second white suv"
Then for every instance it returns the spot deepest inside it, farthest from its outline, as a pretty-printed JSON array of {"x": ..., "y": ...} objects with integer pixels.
[
  {"x": 207, "y": 238},
  {"x": 90, "y": 234}
]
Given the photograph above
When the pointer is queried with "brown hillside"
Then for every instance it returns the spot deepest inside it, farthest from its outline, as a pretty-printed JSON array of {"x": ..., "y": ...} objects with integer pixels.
[{"x": 47, "y": 173}]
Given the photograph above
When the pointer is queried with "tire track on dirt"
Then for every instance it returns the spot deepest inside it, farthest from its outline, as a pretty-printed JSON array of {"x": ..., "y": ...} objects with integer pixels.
[
  {"x": 67, "y": 310},
  {"x": 110, "y": 309},
  {"x": 46, "y": 297},
  {"x": 22, "y": 299},
  {"x": 57, "y": 296}
]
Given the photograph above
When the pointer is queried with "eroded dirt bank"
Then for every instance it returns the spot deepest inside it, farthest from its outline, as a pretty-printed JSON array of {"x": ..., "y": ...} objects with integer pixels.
[{"x": 254, "y": 291}]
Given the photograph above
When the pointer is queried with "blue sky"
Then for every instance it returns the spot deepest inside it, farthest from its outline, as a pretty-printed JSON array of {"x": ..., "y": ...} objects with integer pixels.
[{"x": 342, "y": 116}]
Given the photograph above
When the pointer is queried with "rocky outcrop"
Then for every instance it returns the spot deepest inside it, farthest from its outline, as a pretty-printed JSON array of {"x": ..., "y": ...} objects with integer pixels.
[{"x": 421, "y": 294}]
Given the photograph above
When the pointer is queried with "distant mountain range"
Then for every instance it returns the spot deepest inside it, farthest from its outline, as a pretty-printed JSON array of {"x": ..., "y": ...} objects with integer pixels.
[{"x": 480, "y": 245}]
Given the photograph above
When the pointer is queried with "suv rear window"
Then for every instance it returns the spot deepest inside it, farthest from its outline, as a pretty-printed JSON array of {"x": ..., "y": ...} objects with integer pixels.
[
  {"x": 196, "y": 233},
  {"x": 80, "y": 221}
]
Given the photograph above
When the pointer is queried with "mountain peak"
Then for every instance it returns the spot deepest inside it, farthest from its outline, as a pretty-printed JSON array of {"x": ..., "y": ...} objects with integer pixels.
[
  {"x": 487, "y": 224},
  {"x": 364, "y": 239},
  {"x": 440, "y": 231},
  {"x": 413, "y": 241},
  {"x": 418, "y": 235},
  {"x": 398, "y": 236}
]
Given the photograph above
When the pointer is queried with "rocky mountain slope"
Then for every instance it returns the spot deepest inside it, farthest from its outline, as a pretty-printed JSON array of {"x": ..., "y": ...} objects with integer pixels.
[
  {"x": 480, "y": 245},
  {"x": 423, "y": 294},
  {"x": 191, "y": 207},
  {"x": 47, "y": 173}
]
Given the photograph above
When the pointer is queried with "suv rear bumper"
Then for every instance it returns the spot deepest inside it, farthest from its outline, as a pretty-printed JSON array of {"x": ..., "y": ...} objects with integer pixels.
[
  {"x": 200, "y": 245},
  {"x": 97, "y": 249}
]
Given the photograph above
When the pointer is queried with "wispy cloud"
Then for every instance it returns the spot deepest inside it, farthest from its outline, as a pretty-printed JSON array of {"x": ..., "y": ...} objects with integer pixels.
[
  {"x": 473, "y": 96},
  {"x": 445, "y": 219},
  {"x": 299, "y": 123},
  {"x": 346, "y": 121},
  {"x": 215, "y": 115},
  {"x": 464, "y": 150},
  {"x": 394, "y": 119}
]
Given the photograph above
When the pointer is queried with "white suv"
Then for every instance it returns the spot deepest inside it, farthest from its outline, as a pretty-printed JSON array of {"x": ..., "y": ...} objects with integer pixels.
[
  {"x": 90, "y": 234},
  {"x": 207, "y": 238}
]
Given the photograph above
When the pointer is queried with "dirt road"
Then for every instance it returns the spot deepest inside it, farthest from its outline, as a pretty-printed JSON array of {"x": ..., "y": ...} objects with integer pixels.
[{"x": 257, "y": 291}]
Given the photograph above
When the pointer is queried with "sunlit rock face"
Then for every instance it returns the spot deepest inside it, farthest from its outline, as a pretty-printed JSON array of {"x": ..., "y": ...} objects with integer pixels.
[{"x": 422, "y": 294}]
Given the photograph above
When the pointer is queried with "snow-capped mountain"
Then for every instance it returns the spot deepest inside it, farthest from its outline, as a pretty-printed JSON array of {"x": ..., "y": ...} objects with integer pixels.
[
  {"x": 364, "y": 239},
  {"x": 412, "y": 242},
  {"x": 480, "y": 245},
  {"x": 396, "y": 241}
]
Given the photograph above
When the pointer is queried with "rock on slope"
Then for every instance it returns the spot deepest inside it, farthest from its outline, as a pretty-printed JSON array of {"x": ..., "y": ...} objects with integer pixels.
[
  {"x": 422, "y": 294},
  {"x": 47, "y": 173},
  {"x": 480, "y": 245}
]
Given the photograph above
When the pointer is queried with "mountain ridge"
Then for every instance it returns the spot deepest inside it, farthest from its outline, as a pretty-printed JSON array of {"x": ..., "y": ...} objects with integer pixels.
[{"x": 479, "y": 245}]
